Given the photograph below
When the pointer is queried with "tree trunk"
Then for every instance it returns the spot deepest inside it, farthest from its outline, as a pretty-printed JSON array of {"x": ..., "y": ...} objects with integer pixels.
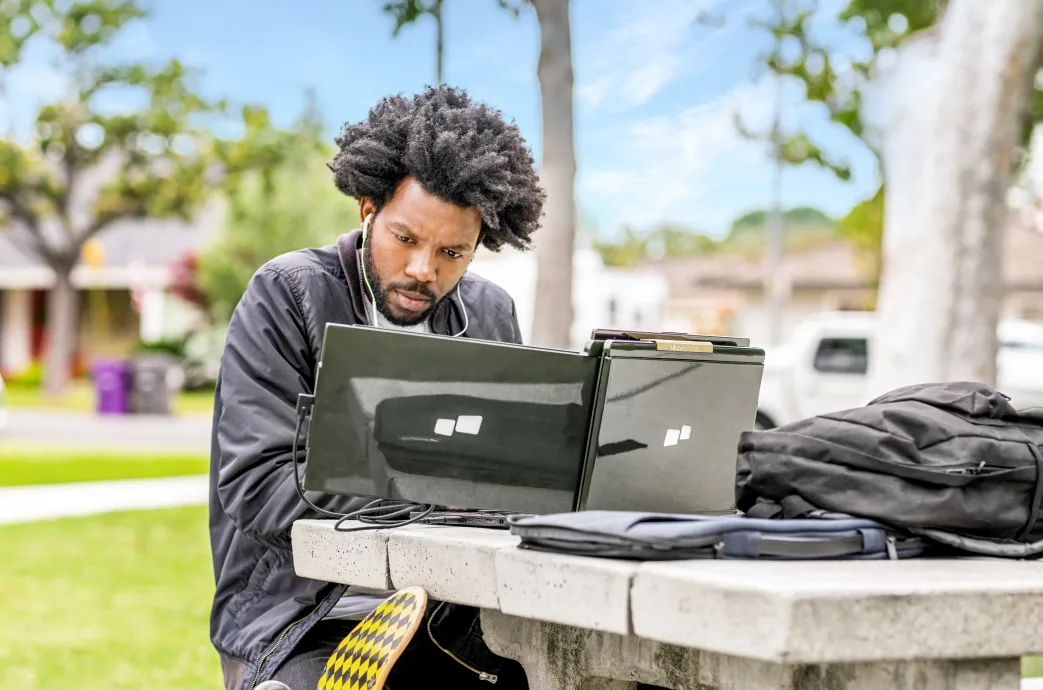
[
  {"x": 555, "y": 240},
  {"x": 62, "y": 311},
  {"x": 954, "y": 106},
  {"x": 439, "y": 41}
]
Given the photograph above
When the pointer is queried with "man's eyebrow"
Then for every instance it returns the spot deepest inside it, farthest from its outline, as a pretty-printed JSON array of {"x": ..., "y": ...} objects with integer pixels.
[{"x": 400, "y": 227}]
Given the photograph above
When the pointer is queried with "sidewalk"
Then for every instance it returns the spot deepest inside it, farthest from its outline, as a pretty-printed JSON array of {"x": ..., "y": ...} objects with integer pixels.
[
  {"x": 188, "y": 433},
  {"x": 44, "y": 502}
]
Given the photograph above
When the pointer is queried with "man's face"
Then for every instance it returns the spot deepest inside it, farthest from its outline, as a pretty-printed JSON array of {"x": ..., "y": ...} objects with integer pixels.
[{"x": 417, "y": 250}]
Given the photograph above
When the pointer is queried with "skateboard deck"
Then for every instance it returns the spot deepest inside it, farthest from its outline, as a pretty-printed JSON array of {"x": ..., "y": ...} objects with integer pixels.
[{"x": 363, "y": 659}]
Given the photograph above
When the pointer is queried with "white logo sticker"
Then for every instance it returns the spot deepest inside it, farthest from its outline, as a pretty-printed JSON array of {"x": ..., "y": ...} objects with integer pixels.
[
  {"x": 468, "y": 424},
  {"x": 675, "y": 435},
  {"x": 464, "y": 424}
]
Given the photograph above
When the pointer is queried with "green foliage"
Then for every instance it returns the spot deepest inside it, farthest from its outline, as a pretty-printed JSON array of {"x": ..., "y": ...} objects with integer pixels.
[
  {"x": 79, "y": 28},
  {"x": 864, "y": 228},
  {"x": 165, "y": 164},
  {"x": 290, "y": 205},
  {"x": 663, "y": 241},
  {"x": 884, "y": 24},
  {"x": 799, "y": 215},
  {"x": 804, "y": 226},
  {"x": 159, "y": 159},
  {"x": 408, "y": 11}
]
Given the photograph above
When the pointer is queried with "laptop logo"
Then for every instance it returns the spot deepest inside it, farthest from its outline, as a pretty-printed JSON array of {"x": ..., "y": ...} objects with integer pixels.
[
  {"x": 675, "y": 435},
  {"x": 464, "y": 424}
]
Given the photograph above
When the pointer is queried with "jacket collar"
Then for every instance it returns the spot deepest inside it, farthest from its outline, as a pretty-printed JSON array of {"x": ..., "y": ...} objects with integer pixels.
[{"x": 446, "y": 318}]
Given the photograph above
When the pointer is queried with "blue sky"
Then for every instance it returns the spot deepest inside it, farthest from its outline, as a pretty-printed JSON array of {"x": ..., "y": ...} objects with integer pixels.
[{"x": 654, "y": 100}]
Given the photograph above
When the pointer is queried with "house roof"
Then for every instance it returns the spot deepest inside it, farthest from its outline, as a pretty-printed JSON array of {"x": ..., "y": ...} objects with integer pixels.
[
  {"x": 834, "y": 265},
  {"x": 134, "y": 251}
]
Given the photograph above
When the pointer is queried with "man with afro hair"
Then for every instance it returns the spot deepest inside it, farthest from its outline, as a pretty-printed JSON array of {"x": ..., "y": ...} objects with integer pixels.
[{"x": 436, "y": 176}]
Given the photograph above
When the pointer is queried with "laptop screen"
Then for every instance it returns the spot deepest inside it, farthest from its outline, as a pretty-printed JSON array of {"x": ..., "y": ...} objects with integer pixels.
[
  {"x": 669, "y": 428},
  {"x": 449, "y": 421}
]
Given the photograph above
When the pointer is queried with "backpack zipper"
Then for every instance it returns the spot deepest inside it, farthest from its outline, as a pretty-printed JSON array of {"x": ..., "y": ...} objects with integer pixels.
[
  {"x": 971, "y": 470},
  {"x": 482, "y": 675}
]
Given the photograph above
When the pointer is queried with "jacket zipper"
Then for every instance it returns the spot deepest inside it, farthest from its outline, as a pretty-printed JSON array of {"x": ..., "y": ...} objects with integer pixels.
[
  {"x": 482, "y": 675},
  {"x": 278, "y": 641}
]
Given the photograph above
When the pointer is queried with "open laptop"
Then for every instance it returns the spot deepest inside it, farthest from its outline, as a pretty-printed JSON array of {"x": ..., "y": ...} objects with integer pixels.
[{"x": 634, "y": 422}]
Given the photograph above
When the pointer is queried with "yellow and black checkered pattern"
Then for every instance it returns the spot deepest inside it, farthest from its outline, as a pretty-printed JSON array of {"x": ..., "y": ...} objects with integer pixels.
[{"x": 364, "y": 658}]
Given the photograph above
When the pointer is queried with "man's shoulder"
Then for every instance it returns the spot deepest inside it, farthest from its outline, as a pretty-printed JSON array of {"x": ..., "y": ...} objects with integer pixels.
[
  {"x": 312, "y": 260},
  {"x": 483, "y": 293}
]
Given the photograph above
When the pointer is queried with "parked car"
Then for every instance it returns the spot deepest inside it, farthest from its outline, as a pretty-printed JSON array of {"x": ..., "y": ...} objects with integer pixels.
[{"x": 823, "y": 367}]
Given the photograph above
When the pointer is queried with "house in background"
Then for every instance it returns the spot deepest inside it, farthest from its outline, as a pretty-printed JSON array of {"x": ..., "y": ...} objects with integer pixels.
[
  {"x": 122, "y": 301},
  {"x": 602, "y": 297},
  {"x": 724, "y": 293}
]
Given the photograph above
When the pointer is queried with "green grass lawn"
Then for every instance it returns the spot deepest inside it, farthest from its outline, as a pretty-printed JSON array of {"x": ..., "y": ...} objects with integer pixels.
[
  {"x": 80, "y": 398},
  {"x": 108, "y": 602},
  {"x": 22, "y": 466}
]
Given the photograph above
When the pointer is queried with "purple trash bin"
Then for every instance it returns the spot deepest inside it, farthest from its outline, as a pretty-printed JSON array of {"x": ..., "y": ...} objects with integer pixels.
[{"x": 112, "y": 378}]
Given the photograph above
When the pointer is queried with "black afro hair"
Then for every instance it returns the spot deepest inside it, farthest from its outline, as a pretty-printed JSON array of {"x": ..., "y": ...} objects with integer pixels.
[{"x": 460, "y": 151}]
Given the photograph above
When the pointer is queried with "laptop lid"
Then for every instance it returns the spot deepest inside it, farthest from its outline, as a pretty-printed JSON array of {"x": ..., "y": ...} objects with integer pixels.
[
  {"x": 665, "y": 432},
  {"x": 449, "y": 421}
]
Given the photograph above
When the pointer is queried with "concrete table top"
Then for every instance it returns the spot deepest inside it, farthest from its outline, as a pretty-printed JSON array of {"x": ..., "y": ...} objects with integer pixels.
[{"x": 783, "y": 612}]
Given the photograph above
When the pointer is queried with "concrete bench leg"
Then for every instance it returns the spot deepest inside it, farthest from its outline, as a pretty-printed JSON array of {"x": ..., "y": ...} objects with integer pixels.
[
  {"x": 557, "y": 657},
  {"x": 975, "y": 674}
]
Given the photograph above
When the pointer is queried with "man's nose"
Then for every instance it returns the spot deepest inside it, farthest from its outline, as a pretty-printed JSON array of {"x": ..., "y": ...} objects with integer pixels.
[{"x": 421, "y": 267}]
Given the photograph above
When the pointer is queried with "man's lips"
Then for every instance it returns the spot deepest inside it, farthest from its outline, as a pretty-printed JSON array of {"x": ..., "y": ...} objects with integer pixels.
[{"x": 412, "y": 301}]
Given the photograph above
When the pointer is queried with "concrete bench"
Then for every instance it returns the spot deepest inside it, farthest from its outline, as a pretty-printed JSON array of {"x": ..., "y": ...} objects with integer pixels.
[{"x": 576, "y": 622}]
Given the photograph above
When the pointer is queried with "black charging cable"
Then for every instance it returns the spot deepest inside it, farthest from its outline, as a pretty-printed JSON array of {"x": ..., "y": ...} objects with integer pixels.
[{"x": 377, "y": 514}]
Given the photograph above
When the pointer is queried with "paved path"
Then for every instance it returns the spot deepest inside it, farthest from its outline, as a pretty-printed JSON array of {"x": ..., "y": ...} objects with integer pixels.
[
  {"x": 31, "y": 503},
  {"x": 189, "y": 433}
]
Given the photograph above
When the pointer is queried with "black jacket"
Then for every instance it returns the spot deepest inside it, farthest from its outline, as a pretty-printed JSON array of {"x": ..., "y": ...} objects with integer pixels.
[{"x": 261, "y": 608}]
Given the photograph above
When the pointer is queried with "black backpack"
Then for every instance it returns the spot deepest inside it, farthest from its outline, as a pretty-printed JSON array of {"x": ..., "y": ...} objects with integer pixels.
[{"x": 955, "y": 463}]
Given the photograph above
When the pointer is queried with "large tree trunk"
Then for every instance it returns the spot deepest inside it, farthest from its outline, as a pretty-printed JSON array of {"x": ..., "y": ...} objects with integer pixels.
[
  {"x": 955, "y": 104},
  {"x": 555, "y": 240},
  {"x": 439, "y": 42},
  {"x": 62, "y": 319}
]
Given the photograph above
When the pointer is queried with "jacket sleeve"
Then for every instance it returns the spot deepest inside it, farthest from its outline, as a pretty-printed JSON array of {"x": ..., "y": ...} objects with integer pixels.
[{"x": 267, "y": 362}]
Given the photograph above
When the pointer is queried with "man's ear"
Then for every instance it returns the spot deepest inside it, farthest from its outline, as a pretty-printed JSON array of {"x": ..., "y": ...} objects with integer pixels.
[{"x": 366, "y": 208}]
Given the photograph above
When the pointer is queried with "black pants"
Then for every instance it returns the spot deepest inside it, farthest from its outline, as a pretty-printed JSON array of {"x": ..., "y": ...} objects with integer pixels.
[{"x": 421, "y": 666}]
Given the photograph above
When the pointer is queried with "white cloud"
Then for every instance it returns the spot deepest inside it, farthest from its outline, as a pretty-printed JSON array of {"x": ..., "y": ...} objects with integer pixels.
[
  {"x": 639, "y": 57},
  {"x": 690, "y": 166}
]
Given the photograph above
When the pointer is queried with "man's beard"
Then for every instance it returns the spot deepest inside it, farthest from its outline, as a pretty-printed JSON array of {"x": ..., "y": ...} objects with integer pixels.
[{"x": 381, "y": 293}]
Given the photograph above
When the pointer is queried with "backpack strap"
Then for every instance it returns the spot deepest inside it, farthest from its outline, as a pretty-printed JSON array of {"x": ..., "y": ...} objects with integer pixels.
[
  {"x": 1037, "y": 492},
  {"x": 984, "y": 547}
]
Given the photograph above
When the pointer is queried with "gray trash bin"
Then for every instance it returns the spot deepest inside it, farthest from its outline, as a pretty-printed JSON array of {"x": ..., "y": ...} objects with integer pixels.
[{"x": 157, "y": 378}]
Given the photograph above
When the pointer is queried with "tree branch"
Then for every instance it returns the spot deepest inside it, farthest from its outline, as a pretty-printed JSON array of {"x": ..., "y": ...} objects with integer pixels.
[
  {"x": 31, "y": 224},
  {"x": 104, "y": 220}
]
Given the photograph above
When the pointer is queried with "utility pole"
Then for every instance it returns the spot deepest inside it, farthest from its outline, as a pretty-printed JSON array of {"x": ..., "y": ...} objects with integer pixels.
[{"x": 774, "y": 282}]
